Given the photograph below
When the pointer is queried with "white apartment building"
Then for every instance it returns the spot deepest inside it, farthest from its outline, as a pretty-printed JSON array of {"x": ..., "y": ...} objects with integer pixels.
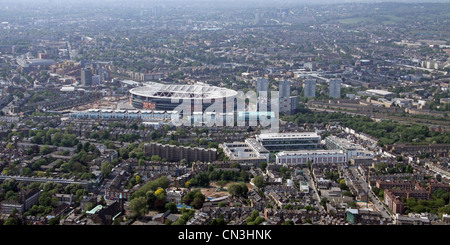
[
  {"x": 314, "y": 156},
  {"x": 289, "y": 141}
]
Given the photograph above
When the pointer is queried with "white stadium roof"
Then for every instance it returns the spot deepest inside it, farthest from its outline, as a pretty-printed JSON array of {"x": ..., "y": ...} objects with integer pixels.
[{"x": 174, "y": 91}]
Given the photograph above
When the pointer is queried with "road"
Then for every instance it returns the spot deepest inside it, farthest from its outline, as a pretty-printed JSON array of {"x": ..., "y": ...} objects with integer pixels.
[
  {"x": 372, "y": 198},
  {"x": 315, "y": 196},
  {"x": 106, "y": 182}
]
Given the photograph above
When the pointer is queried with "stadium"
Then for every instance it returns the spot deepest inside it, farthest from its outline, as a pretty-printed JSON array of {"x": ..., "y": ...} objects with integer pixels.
[{"x": 166, "y": 97}]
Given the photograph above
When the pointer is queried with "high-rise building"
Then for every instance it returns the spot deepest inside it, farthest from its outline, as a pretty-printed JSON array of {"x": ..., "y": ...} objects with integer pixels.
[
  {"x": 284, "y": 105},
  {"x": 335, "y": 88},
  {"x": 256, "y": 21},
  {"x": 86, "y": 77},
  {"x": 294, "y": 104},
  {"x": 288, "y": 103},
  {"x": 284, "y": 89},
  {"x": 96, "y": 79},
  {"x": 309, "y": 88},
  {"x": 262, "y": 84}
]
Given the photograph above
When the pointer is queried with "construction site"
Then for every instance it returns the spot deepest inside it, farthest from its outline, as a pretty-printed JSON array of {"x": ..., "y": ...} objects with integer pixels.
[{"x": 107, "y": 103}]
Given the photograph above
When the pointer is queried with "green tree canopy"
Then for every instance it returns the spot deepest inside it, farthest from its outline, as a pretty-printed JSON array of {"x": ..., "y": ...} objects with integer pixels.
[
  {"x": 139, "y": 206},
  {"x": 258, "y": 181}
]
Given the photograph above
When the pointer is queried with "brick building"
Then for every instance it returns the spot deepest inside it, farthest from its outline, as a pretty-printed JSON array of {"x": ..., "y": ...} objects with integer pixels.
[
  {"x": 434, "y": 149},
  {"x": 175, "y": 153},
  {"x": 26, "y": 199},
  {"x": 395, "y": 191},
  {"x": 393, "y": 202},
  {"x": 408, "y": 185}
]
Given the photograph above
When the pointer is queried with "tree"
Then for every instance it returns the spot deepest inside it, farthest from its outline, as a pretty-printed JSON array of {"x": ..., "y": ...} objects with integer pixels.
[
  {"x": 106, "y": 168},
  {"x": 238, "y": 189},
  {"x": 10, "y": 146},
  {"x": 160, "y": 195},
  {"x": 138, "y": 179},
  {"x": 411, "y": 202},
  {"x": 162, "y": 182},
  {"x": 155, "y": 158},
  {"x": 323, "y": 201},
  {"x": 254, "y": 218},
  {"x": 186, "y": 214},
  {"x": 201, "y": 179},
  {"x": 54, "y": 221},
  {"x": 45, "y": 199},
  {"x": 139, "y": 206},
  {"x": 79, "y": 147},
  {"x": 9, "y": 185},
  {"x": 444, "y": 210},
  {"x": 123, "y": 152},
  {"x": 141, "y": 162},
  {"x": 288, "y": 207},
  {"x": 187, "y": 184},
  {"x": 92, "y": 148},
  {"x": 195, "y": 198},
  {"x": 419, "y": 209},
  {"x": 263, "y": 166},
  {"x": 46, "y": 150},
  {"x": 151, "y": 198},
  {"x": 11, "y": 195},
  {"x": 172, "y": 207},
  {"x": 218, "y": 221},
  {"x": 221, "y": 183},
  {"x": 409, "y": 169},
  {"x": 86, "y": 146},
  {"x": 258, "y": 181},
  {"x": 198, "y": 202},
  {"x": 159, "y": 204},
  {"x": 12, "y": 221},
  {"x": 288, "y": 222},
  {"x": 342, "y": 185},
  {"x": 90, "y": 206}
]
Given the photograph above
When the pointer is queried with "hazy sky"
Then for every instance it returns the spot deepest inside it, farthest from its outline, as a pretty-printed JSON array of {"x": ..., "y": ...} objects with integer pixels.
[
  {"x": 215, "y": 1},
  {"x": 216, "y": 4}
]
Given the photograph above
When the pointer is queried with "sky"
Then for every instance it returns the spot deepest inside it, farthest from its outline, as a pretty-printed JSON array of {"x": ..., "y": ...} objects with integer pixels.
[
  {"x": 215, "y": 1},
  {"x": 194, "y": 3}
]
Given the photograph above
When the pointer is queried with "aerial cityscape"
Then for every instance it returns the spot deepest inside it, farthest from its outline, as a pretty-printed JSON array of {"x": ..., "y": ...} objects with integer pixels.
[{"x": 150, "y": 112}]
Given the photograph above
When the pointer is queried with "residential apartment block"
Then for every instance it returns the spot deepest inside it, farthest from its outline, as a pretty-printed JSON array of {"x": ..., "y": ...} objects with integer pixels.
[
  {"x": 289, "y": 141},
  {"x": 314, "y": 156},
  {"x": 175, "y": 153}
]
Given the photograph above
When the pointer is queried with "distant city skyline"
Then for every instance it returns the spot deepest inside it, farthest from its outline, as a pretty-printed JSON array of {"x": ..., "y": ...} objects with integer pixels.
[{"x": 199, "y": 112}]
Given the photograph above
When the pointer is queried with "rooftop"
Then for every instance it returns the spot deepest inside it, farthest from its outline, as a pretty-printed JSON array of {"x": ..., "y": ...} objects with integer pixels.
[
  {"x": 94, "y": 210},
  {"x": 378, "y": 91},
  {"x": 344, "y": 143},
  {"x": 309, "y": 152},
  {"x": 288, "y": 135},
  {"x": 174, "y": 91}
]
